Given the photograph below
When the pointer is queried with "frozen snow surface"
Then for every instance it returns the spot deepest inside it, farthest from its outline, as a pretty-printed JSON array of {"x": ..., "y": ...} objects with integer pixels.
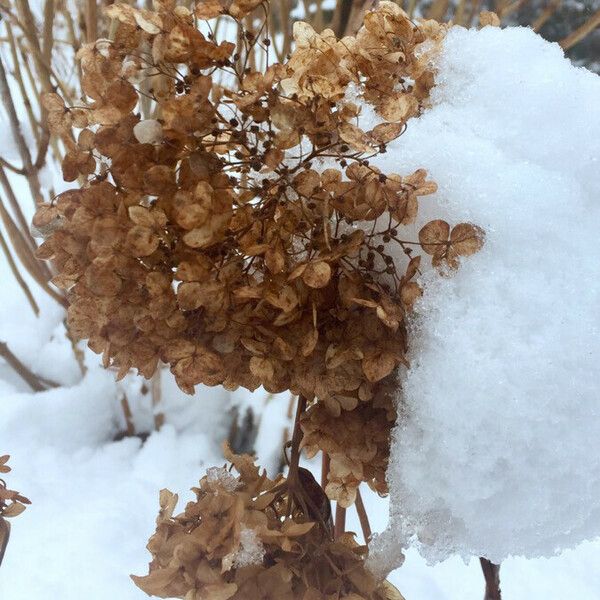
[{"x": 497, "y": 449}]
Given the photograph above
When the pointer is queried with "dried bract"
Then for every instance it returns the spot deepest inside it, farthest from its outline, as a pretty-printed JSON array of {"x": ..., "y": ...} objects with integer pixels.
[{"x": 12, "y": 503}]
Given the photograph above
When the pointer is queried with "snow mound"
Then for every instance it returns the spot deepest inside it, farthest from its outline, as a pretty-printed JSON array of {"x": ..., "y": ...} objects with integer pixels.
[{"x": 497, "y": 448}]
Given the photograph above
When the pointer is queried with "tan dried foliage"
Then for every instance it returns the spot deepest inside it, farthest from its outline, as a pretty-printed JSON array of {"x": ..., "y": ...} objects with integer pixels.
[
  {"x": 12, "y": 503},
  {"x": 210, "y": 235},
  {"x": 201, "y": 554}
]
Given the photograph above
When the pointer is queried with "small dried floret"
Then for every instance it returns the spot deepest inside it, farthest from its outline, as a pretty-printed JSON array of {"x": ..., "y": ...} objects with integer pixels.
[{"x": 12, "y": 503}]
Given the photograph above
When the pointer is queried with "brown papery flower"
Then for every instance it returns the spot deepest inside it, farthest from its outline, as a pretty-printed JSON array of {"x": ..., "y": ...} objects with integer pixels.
[
  {"x": 228, "y": 221},
  {"x": 247, "y": 537}
]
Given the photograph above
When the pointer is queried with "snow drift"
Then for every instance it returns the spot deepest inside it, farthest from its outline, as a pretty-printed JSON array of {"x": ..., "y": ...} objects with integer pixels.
[{"x": 496, "y": 451}]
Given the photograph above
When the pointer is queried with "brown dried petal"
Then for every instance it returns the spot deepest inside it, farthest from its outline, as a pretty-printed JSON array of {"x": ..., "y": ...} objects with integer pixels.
[
  {"x": 317, "y": 274},
  {"x": 466, "y": 239},
  {"x": 433, "y": 237}
]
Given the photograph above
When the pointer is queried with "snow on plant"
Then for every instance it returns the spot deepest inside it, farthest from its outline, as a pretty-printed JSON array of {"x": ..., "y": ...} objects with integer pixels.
[
  {"x": 265, "y": 539},
  {"x": 209, "y": 235},
  {"x": 496, "y": 453}
]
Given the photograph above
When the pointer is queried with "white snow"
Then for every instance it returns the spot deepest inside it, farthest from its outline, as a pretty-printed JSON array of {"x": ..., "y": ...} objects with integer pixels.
[
  {"x": 148, "y": 131},
  {"x": 251, "y": 550},
  {"x": 497, "y": 449}
]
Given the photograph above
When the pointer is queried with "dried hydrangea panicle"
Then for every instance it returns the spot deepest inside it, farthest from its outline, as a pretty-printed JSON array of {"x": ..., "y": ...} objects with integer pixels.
[
  {"x": 207, "y": 236},
  {"x": 254, "y": 541}
]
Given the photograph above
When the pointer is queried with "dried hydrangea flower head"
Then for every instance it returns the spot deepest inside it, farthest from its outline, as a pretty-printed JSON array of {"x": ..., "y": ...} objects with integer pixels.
[
  {"x": 249, "y": 537},
  {"x": 207, "y": 232}
]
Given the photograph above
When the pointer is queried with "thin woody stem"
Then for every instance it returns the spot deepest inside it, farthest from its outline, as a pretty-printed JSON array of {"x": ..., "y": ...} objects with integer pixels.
[
  {"x": 340, "y": 521},
  {"x": 4, "y": 537},
  {"x": 17, "y": 275},
  {"x": 33, "y": 381},
  {"x": 491, "y": 573},
  {"x": 325, "y": 462},
  {"x": 296, "y": 438},
  {"x": 363, "y": 517},
  {"x": 293, "y": 479}
]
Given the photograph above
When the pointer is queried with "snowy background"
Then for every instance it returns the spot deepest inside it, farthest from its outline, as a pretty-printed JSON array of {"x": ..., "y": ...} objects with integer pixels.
[{"x": 512, "y": 121}]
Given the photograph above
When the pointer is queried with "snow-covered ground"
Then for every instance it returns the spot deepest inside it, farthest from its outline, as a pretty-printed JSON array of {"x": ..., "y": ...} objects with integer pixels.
[{"x": 95, "y": 499}]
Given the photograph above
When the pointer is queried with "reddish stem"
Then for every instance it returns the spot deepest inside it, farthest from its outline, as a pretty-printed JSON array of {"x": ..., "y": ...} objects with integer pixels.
[{"x": 340, "y": 521}]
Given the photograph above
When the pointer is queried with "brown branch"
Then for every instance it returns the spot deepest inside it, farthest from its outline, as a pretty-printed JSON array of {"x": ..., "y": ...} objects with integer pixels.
[
  {"x": 19, "y": 242},
  {"x": 156, "y": 392},
  {"x": 357, "y": 15},
  {"x": 545, "y": 15},
  {"x": 47, "y": 37},
  {"x": 17, "y": 275},
  {"x": 130, "y": 429},
  {"x": 23, "y": 228},
  {"x": 26, "y": 257},
  {"x": 581, "y": 32},
  {"x": 10, "y": 167},
  {"x": 91, "y": 20},
  {"x": 509, "y": 8},
  {"x": 4, "y": 537},
  {"x": 18, "y": 75},
  {"x": 325, "y": 462},
  {"x": 340, "y": 521},
  {"x": 474, "y": 10},
  {"x": 363, "y": 517},
  {"x": 296, "y": 438},
  {"x": 15, "y": 127},
  {"x": 32, "y": 380},
  {"x": 16, "y": 208},
  {"x": 491, "y": 573}
]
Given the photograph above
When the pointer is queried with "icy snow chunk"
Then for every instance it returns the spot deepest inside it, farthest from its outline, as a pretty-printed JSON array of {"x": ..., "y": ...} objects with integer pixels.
[
  {"x": 149, "y": 131},
  {"x": 223, "y": 476},
  {"x": 496, "y": 451},
  {"x": 251, "y": 550}
]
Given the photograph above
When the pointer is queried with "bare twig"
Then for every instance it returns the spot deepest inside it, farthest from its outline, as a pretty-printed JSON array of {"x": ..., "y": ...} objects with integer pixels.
[
  {"x": 581, "y": 32},
  {"x": 491, "y": 573},
  {"x": 130, "y": 429},
  {"x": 340, "y": 521},
  {"x": 17, "y": 74},
  {"x": 325, "y": 463},
  {"x": 16, "y": 209},
  {"x": 363, "y": 517},
  {"x": 22, "y": 226},
  {"x": 17, "y": 275},
  {"x": 297, "y": 438},
  {"x": 357, "y": 14},
  {"x": 4, "y": 537},
  {"x": 91, "y": 20},
  {"x": 546, "y": 15},
  {"x": 15, "y": 127},
  {"x": 47, "y": 37},
  {"x": 20, "y": 246},
  {"x": 512, "y": 7},
  {"x": 79, "y": 355},
  {"x": 156, "y": 391},
  {"x": 32, "y": 380}
]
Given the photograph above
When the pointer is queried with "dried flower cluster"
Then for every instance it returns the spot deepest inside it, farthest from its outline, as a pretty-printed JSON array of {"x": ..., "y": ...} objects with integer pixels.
[
  {"x": 249, "y": 537},
  {"x": 238, "y": 231},
  {"x": 12, "y": 503}
]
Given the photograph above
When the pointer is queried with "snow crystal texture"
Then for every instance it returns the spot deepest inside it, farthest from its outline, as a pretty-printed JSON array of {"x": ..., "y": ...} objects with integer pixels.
[{"x": 497, "y": 449}]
